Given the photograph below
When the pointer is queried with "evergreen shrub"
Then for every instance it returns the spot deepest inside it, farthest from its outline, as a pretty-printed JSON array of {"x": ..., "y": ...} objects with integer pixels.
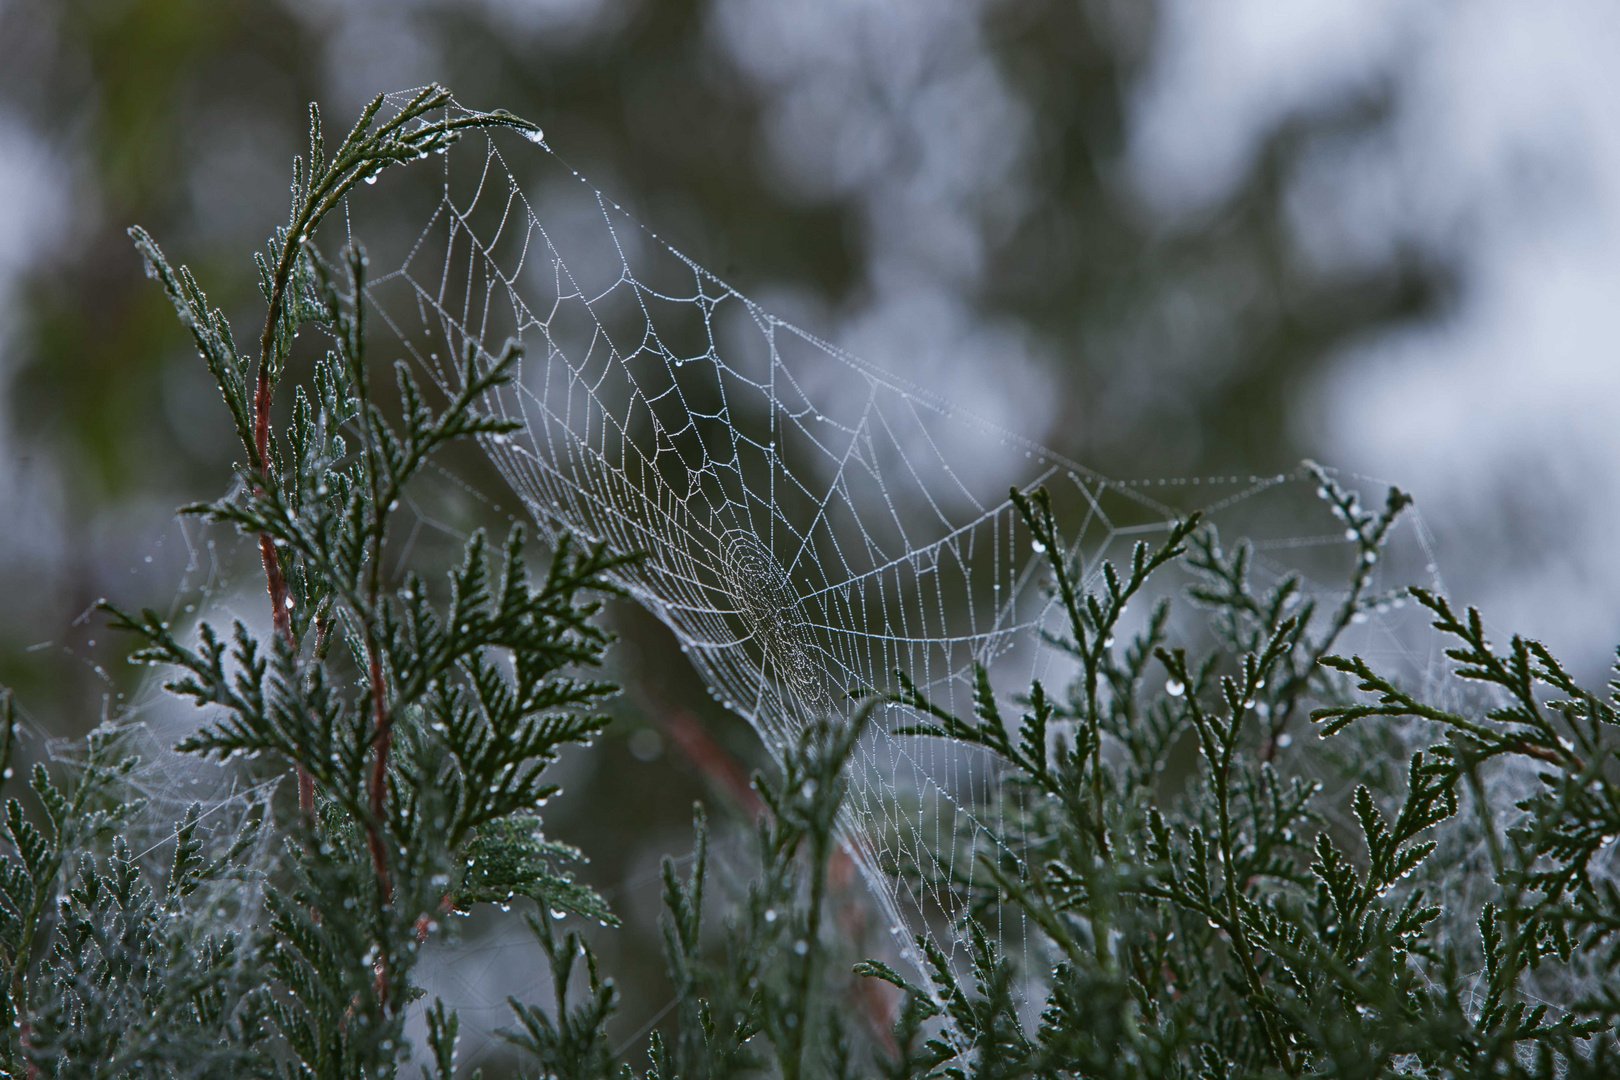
[{"x": 1200, "y": 905}]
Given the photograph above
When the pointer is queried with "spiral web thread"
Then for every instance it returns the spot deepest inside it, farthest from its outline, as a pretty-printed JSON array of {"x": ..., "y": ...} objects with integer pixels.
[{"x": 810, "y": 524}]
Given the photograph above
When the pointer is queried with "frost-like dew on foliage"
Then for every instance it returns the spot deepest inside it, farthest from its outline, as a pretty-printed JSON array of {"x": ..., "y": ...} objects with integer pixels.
[{"x": 810, "y": 524}]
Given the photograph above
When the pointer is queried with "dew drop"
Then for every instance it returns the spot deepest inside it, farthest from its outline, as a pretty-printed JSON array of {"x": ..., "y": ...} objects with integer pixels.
[
  {"x": 1037, "y": 547},
  {"x": 1174, "y": 687},
  {"x": 1350, "y": 534},
  {"x": 1284, "y": 741}
]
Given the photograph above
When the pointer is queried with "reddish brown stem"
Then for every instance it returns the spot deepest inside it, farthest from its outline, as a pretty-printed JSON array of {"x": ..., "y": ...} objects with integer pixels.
[
  {"x": 381, "y": 744},
  {"x": 688, "y": 733},
  {"x": 29, "y": 1068},
  {"x": 275, "y": 581}
]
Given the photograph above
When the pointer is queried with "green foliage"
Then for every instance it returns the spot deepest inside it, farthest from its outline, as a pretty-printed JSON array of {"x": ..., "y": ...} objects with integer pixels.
[
  {"x": 1233, "y": 922},
  {"x": 765, "y": 998},
  {"x": 419, "y": 721},
  {"x": 1198, "y": 905}
]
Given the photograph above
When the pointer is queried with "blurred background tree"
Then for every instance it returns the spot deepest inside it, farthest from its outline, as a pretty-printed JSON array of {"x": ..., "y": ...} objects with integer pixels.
[{"x": 1160, "y": 244}]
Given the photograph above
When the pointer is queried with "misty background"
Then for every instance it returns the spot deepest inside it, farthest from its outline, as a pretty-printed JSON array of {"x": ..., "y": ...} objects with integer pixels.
[{"x": 1166, "y": 239}]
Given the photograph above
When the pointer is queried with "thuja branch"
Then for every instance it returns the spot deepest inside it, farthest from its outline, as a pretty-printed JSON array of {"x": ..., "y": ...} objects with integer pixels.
[
  {"x": 319, "y": 185},
  {"x": 423, "y": 782},
  {"x": 1093, "y": 616},
  {"x": 1207, "y": 918},
  {"x": 1529, "y": 731}
]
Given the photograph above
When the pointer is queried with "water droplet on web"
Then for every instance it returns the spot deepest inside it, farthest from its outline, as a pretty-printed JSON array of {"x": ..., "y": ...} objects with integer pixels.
[
  {"x": 1174, "y": 687},
  {"x": 147, "y": 559}
]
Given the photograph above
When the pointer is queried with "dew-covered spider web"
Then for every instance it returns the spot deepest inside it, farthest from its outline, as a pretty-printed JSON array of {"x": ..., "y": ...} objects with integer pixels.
[{"x": 809, "y": 523}]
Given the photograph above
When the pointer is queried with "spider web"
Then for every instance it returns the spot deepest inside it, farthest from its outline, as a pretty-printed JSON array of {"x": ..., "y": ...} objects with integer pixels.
[{"x": 810, "y": 524}]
